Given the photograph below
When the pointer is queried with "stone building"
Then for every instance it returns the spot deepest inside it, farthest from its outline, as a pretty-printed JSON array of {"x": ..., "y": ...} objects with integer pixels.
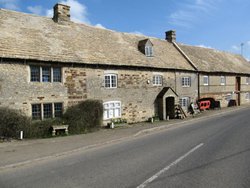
[
  {"x": 222, "y": 76},
  {"x": 49, "y": 64}
]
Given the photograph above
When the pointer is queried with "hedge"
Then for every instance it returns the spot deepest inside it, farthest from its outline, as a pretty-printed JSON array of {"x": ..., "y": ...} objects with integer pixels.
[
  {"x": 12, "y": 122},
  {"x": 84, "y": 117},
  {"x": 41, "y": 129}
]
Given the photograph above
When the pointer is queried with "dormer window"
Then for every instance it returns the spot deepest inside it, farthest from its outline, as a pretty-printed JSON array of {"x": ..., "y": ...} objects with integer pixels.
[
  {"x": 149, "y": 51},
  {"x": 146, "y": 47}
]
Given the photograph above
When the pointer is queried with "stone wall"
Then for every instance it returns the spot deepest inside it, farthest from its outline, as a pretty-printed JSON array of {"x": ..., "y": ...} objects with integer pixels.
[
  {"x": 18, "y": 92},
  {"x": 223, "y": 93},
  {"x": 192, "y": 91},
  {"x": 135, "y": 90}
]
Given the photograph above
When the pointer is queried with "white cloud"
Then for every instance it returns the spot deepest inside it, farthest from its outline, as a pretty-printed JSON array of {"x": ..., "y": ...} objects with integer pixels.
[
  {"x": 78, "y": 11},
  {"x": 236, "y": 48},
  {"x": 189, "y": 12},
  {"x": 10, "y": 4},
  {"x": 49, "y": 13},
  {"x": 203, "y": 46},
  {"x": 248, "y": 43},
  {"x": 137, "y": 33},
  {"x": 36, "y": 10},
  {"x": 100, "y": 26}
]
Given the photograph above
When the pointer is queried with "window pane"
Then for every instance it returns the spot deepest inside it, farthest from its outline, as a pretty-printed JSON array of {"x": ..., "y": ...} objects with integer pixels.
[
  {"x": 186, "y": 81},
  {"x": 184, "y": 102},
  {"x": 47, "y": 111},
  {"x": 222, "y": 80},
  {"x": 57, "y": 74},
  {"x": 149, "y": 51},
  {"x": 157, "y": 80},
  {"x": 107, "y": 81},
  {"x": 113, "y": 79},
  {"x": 34, "y": 74},
  {"x": 46, "y": 74},
  {"x": 117, "y": 112},
  {"x": 111, "y": 113},
  {"x": 247, "y": 96},
  {"x": 112, "y": 110},
  {"x": 58, "y": 109},
  {"x": 205, "y": 80},
  {"x": 36, "y": 111}
]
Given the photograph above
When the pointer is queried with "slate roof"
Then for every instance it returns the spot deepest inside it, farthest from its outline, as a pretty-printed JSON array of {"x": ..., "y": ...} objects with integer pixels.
[
  {"x": 211, "y": 60},
  {"x": 27, "y": 36}
]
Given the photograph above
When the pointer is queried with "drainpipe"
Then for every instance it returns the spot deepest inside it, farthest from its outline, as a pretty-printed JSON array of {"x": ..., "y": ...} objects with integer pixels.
[
  {"x": 198, "y": 85},
  {"x": 175, "y": 82}
]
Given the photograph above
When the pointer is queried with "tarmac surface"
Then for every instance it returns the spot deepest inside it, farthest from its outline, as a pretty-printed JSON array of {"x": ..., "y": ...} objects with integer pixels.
[{"x": 18, "y": 153}]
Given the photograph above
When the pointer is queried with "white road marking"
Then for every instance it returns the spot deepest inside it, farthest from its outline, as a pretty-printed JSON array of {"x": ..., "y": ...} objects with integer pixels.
[{"x": 144, "y": 184}]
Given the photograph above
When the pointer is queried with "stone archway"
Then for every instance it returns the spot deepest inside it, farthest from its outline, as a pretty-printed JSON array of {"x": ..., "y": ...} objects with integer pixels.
[{"x": 166, "y": 101}]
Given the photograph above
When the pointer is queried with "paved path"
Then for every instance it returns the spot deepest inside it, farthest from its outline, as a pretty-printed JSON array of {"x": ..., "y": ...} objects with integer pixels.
[{"x": 17, "y": 153}]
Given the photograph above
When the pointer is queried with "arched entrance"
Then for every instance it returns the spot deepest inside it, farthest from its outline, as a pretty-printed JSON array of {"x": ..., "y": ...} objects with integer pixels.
[{"x": 166, "y": 100}]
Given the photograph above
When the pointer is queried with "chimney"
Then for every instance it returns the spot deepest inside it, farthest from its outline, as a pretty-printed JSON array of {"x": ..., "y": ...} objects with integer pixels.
[
  {"x": 171, "y": 36},
  {"x": 61, "y": 13}
]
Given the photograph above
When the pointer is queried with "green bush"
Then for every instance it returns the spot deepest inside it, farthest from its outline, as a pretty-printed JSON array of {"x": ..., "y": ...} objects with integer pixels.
[
  {"x": 84, "y": 117},
  {"x": 41, "y": 129},
  {"x": 12, "y": 122}
]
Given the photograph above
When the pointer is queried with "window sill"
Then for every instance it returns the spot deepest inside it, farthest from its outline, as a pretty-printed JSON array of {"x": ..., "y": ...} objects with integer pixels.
[{"x": 157, "y": 85}]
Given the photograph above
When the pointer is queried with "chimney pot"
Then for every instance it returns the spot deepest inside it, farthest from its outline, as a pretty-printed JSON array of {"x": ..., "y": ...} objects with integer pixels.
[
  {"x": 61, "y": 13},
  {"x": 171, "y": 36}
]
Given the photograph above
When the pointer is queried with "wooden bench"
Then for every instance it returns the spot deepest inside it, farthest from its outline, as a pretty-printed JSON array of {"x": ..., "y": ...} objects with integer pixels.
[{"x": 59, "y": 127}]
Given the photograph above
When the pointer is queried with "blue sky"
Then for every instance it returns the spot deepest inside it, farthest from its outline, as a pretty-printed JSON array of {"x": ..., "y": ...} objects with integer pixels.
[{"x": 219, "y": 24}]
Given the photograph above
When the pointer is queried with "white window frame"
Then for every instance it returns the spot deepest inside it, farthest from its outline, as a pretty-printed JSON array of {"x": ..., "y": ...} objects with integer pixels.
[
  {"x": 207, "y": 80},
  {"x": 247, "y": 80},
  {"x": 112, "y": 110},
  {"x": 157, "y": 80},
  {"x": 223, "y": 80},
  {"x": 186, "y": 81},
  {"x": 247, "y": 96},
  {"x": 184, "y": 102},
  {"x": 149, "y": 51},
  {"x": 110, "y": 83}
]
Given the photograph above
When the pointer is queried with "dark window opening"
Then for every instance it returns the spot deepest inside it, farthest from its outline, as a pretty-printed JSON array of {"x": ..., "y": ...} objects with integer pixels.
[{"x": 36, "y": 111}]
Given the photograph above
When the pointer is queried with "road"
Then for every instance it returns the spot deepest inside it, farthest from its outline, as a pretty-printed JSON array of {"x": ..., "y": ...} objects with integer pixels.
[{"x": 214, "y": 152}]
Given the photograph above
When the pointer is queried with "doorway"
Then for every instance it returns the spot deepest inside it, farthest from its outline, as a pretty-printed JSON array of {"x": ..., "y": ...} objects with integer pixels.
[
  {"x": 238, "y": 88},
  {"x": 170, "y": 108}
]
